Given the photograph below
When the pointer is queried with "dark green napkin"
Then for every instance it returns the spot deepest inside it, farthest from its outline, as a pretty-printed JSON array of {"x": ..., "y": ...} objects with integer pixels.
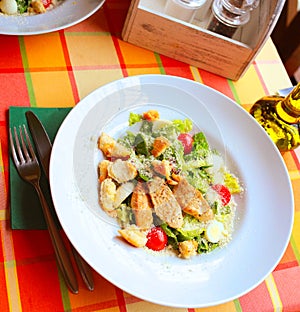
[{"x": 25, "y": 208}]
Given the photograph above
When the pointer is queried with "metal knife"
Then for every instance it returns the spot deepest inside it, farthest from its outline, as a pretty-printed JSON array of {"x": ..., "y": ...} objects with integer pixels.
[{"x": 44, "y": 147}]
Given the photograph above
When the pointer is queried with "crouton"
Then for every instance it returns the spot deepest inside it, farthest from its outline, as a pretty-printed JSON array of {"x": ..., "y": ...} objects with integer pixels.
[
  {"x": 37, "y": 6},
  {"x": 134, "y": 235},
  {"x": 160, "y": 144},
  {"x": 107, "y": 195},
  {"x": 151, "y": 115},
  {"x": 102, "y": 167},
  {"x": 187, "y": 248},
  {"x": 111, "y": 148}
]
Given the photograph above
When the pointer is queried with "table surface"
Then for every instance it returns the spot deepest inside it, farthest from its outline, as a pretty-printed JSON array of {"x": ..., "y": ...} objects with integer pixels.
[{"x": 59, "y": 69}]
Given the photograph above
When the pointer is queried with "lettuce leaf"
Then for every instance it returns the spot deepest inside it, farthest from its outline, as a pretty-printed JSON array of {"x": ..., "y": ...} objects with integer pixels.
[
  {"x": 184, "y": 125},
  {"x": 190, "y": 229},
  {"x": 134, "y": 118}
]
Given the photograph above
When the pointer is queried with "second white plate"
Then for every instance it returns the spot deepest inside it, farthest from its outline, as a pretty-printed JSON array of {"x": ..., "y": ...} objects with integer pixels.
[{"x": 66, "y": 14}]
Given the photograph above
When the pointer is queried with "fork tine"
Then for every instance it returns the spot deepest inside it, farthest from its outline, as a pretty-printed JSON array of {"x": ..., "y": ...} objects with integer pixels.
[
  {"x": 26, "y": 142},
  {"x": 19, "y": 154},
  {"x": 33, "y": 155},
  {"x": 24, "y": 147},
  {"x": 12, "y": 147}
]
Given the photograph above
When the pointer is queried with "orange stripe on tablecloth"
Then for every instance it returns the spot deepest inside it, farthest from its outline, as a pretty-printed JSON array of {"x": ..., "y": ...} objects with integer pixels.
[
  {"x": 39, "y": 51},
  {"x": 104, "y": 297},
  {"x": 45, "y": 69},
  {"x": 10, "y": 271},
  {"x": 231, "y": 306},
  {"x": 289, "y": 258},
  {"x": 294, "y": 174},
  {"x": 109, "y": 305}
]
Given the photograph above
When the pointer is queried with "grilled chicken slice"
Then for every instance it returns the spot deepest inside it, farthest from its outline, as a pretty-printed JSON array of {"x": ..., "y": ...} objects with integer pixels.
[
  {"x": 111, "y": 148},
  {"x": 191, "y": 200},
  {"x": 141, "y": 206},
  {"x": 122, "y": 171},
  {"x": 165, "y": 205},
  {"x": 163, "y": 168}
]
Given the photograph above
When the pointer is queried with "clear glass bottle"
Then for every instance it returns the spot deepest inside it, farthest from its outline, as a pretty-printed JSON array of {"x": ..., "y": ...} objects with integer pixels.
[
  {"x": 280, "y": 117},
  {"x": 183, "y": 9},
  {"x": 228, "y": 15}
]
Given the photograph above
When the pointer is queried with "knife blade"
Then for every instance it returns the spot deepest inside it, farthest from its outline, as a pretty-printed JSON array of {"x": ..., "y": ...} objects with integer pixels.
[{"x": 44, "y": 147}]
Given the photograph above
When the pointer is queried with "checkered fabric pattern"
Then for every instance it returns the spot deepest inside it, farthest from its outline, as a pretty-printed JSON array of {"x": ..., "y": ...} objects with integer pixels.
[{"x": 59, "y": 69}]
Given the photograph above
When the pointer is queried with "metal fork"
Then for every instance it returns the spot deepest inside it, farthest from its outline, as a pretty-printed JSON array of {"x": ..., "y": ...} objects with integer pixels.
[{"x": 29, "y": 170}]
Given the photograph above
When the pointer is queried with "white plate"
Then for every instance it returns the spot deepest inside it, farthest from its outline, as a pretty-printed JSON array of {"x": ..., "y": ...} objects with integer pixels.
[
  {"x": 66, "y": 14},
  {"x": 264, "y": 214}
]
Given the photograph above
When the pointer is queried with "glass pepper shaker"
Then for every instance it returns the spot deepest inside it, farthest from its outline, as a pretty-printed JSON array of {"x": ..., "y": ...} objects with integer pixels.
[
  {"x": 228, "y": 15},
  {"x": 280, "y": 117}
]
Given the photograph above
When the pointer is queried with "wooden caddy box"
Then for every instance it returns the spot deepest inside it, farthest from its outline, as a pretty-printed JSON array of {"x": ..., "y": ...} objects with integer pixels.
[{"x": 149, "y": 27}]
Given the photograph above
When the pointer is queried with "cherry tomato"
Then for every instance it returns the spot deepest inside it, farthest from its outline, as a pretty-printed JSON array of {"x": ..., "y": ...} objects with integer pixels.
[
  {"x": 187, "y": 142},
  {"x": 157, "y": 239},
  {"x": 224, "y": 192},
  {"x": 46, "y": 3}
]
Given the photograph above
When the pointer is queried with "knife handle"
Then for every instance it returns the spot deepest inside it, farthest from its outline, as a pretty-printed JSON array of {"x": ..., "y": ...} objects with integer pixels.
[{"x": 62, "y": 255}]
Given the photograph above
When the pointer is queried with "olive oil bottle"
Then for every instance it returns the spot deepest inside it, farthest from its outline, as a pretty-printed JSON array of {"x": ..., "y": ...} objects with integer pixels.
[{"x": 280, "y": 117}]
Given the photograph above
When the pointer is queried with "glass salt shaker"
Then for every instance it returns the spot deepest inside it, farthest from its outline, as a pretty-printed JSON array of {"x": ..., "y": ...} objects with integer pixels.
[
  {"x": 183, "y": 9},
  {"x": 228, "y": 15},
  {"x": 280, "y": 117}
]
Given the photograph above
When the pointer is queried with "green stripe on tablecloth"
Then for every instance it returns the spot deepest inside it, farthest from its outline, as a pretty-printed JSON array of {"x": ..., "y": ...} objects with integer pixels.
[{"x": 27, "y": 72}]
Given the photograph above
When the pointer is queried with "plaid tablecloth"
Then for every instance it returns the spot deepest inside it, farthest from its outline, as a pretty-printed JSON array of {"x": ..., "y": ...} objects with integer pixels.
[{"x": 59, "y": 69}]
